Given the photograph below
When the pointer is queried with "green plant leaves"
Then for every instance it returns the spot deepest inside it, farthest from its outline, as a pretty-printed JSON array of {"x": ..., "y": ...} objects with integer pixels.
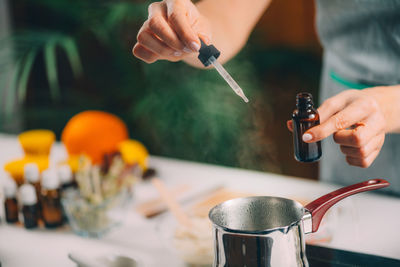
[
  {"x": 26, "y": 46},
  {"x": 103, "y": 18},
  {"x": 25, "y": 71},
  {"x": 50, "y": 60},
  {"x": 71, "y": 50}
]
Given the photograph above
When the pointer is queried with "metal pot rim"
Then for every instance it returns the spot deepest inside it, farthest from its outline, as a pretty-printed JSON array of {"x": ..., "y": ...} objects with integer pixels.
[{"x": 283, "y": 229}]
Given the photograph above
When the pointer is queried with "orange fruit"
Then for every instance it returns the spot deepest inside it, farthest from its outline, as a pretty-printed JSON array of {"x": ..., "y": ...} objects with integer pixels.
[{"x": 93, "y": 133}]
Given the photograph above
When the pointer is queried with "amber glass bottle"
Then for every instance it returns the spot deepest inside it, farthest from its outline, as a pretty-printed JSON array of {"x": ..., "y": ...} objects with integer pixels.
[
  {"x": 32, "y": 176},
  {"x": 10, "y": 202},
  {"x": 51, "y": 200},
  {"x": 29, "y": 205},
  {"x": 305, "y": 117}
]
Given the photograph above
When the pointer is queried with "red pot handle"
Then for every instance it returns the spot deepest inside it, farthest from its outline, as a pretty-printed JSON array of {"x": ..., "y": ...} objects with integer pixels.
[{"x": 318, "y": 207}]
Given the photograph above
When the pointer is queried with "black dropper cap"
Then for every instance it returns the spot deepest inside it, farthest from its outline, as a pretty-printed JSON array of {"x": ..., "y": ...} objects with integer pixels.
[{"x": 207, "y": 51}]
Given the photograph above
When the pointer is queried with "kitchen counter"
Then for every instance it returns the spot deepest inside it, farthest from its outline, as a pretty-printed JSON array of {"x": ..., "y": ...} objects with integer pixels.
[{"x": 367, "y": 223}]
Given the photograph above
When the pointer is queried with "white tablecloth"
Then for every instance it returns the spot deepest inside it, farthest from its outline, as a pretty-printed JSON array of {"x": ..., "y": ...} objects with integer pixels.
[{"x": 369, "y": 223}]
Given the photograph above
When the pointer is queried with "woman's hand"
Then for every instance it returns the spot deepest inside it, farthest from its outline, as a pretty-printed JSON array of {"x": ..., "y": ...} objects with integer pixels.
[
  {"x": 358, "y": 121},
  {"x": 171, "y": 31}
]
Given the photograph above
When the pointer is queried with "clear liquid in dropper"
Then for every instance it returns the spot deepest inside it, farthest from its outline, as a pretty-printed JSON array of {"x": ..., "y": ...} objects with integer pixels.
[{"x": 228, "y": 78}]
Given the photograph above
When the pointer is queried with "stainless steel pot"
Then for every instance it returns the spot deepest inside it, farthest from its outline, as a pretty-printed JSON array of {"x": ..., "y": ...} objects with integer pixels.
[{"x": 269, "y": 231}]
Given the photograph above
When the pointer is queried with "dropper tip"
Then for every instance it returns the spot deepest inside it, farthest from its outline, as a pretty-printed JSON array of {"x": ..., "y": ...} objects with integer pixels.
[{"x": 245, "y": 99}]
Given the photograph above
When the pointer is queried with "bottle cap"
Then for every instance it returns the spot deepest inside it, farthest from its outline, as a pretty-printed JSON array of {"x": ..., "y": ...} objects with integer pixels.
[
  {"x": 207, "y": 51},
  {"x": 31, "y": 173},
  {"x": 10, "y": 187},
  {"x": 65, "y": 174},
  {"x": 50, "y": 179},
  {"x": 27, "y": 194}
]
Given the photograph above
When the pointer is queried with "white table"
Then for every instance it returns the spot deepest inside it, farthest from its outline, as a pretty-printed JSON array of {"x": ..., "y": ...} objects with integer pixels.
[{"x": 369, "y": 224}]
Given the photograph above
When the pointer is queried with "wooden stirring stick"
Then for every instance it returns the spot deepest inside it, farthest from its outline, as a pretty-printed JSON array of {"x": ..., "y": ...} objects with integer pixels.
[{"x": 171, "y": 203}]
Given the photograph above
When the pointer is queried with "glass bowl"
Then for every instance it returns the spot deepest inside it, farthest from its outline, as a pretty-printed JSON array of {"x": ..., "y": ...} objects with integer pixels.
[{"x": 94, "y": 220}]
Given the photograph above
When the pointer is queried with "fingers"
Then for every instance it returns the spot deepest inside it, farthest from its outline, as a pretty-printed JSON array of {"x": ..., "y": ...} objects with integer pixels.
[
  {"x": 172, "y": 29},
  {"x": 158, "y": 24},
  {"x": 332, "y": 105},
  {"x": 152, "y": 43},
  {"x": 362, "y": 162},
  {"x": 353, "y": 113},
  {"x": 362, "y": 133},
  {"x": 365, "y": 150},
  {"x": 180, "y": 23},
  {"x": 177, "y": 13},
  {"x": 144, "y": 54},
  {"x": 355, "y": 137},
  {"x": 362, "y": 144}
]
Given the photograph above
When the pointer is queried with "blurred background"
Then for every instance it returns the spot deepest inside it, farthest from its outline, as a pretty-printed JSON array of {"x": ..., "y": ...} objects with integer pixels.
[{"x": 58, "y": 58}]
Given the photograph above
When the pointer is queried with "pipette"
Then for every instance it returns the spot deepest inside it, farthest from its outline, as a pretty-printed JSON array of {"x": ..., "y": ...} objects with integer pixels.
[{"x": 208, "y": 54}]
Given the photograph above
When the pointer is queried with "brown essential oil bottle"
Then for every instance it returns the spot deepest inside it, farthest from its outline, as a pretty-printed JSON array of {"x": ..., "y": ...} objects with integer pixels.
[
  {"x": 305, "y": 117},
  {"x": 32, "y": 176},
  {"x": 51, "y": 200},
  {"x": 29, "y": 205},
  {"x": 10, "y": 202}
]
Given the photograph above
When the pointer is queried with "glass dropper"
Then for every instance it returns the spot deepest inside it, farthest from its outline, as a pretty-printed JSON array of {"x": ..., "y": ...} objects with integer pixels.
[
  {"x": 208, "y": 55},
  {"x": 228, "y": 78}
]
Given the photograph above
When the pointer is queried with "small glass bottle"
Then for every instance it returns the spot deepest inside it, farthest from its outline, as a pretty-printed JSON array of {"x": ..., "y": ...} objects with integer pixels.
[
  {"x": 51, "y": 200},
  {"x": 304, "y": 117},
  {"x": 32, "y": 176},
  {"x": 66, "y": 178},
  {"x": 68, "y": 185},
  {"x": 29, "y": 201},
  {"x": 10, "y": 202}
]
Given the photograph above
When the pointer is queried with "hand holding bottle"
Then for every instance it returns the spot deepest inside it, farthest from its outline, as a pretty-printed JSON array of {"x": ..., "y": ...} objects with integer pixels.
[
  {"x": 358, "y": 121},
  {"x": 171, "y": 31}
]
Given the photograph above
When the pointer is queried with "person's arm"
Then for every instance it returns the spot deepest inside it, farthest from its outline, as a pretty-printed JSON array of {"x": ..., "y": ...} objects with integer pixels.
[
  {"x": 358, "y": 120},
  {"x": 173, "y": 28},
  {"x": 231, "y": 22}
]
